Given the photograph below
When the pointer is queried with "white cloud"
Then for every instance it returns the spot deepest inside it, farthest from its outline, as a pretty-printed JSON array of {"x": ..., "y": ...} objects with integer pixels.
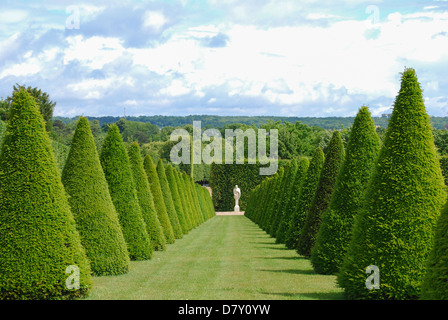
[
  {"x": 94, "y": 52},
  {"x": 11, "y": 16},
  {"x": 154, "y": 20}
]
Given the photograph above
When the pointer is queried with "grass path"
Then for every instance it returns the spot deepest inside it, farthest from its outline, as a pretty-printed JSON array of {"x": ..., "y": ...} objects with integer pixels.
[{"x": 226, "y": 258}]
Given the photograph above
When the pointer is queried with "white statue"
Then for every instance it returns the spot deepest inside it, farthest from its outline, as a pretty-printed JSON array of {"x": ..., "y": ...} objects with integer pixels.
[{"x": 236, "y": 195}]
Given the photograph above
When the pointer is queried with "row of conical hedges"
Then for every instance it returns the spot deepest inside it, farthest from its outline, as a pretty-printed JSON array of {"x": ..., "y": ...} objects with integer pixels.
[
  {"x": 103, "y": 211},
  {"x": 371, "y": 205}
]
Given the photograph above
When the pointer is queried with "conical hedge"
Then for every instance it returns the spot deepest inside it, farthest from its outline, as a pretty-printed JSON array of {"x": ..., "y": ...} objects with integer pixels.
[
  {"x": 176, "y": 198},
  {"x": 159, "y": 203},
  {"x": 183, "y": 199},
  {"x": 291, "y": 171},
  {"x": 145, "y": 198},
  {"x": 301, "y": 168},
  {"x": 195, "y": 198},
  {"x": 190, "y": 200},
  {"x": 306, "y": 195},
  {"x": 274, "y": 203},
  {"x": 278, "y": 215},
  {"x": 38, "y": 236},
  {"x": 117, "y": 169},
  {"x": 91, "y": 204},
  {"x": 335, "y": 230},
  {"x": 435, "y": 283},
  {"x": 168, "y": 199},
  {"x": 325, "y": 188},
  {"x": 271, "y": 199},
  {"x": 394, "y": 227}
]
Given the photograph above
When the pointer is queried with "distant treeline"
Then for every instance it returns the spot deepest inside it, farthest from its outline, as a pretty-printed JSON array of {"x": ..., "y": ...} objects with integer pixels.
[{"x": 209, "y": 121}]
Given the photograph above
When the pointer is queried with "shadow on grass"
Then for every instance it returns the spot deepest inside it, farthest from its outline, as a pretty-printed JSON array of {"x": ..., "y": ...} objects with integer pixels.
[
  {"x": 274, "y": 248},
  {"x": 309, "y": 296},
  {"x": 260, "y": 242},
  {"x": 284, "y": 258},
  {"x": 291, "y": 271}
]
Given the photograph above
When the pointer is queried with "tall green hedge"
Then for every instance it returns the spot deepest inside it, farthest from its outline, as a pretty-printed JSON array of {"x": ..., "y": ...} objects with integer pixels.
[
  {"x": 168, "y": 199},
  {"x": 170, "y": 175},
  {"x": 335, "y": 230},
  {"x": 145, "y": 198},
  {"x": 444, "y": 166},
  {"x": 305, "y": 198},
  {"x": 324, "y": 191},
  {"x": 394, "y": 229},
  {"x": 186, "y": 209},
  {"x": 117, "y": 169},
  {"x": 38, "y": 236},
  {"x": 159, "y": 203},
  {"x": 92, "y": 206},
  {"x": 435, "y": 282},
  {"x": 290, "y": 201},
  {"x": 194, "y": 197},
  {"x": 224, "y": 177},
  {"x": 275, "y": 205},
  {"x": 273, "y": 198}
]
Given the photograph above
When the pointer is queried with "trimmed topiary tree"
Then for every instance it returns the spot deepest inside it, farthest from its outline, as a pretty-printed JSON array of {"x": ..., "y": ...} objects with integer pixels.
[
  {"x": 176, "y": 198},
  {"x": 306, "y": 193},
  {"x": 324, "y": 191},
  {"x": 275, "y": 201},
  {"x": 92, "y": 206},
  {"x": 335, "y": 230},
  {"x": 435, "y": 282},
  {"x": 301, "y": 168},
  {"x": 189, "y": 201},
  {"x": 394, "y": 229},
  {"x": 38, "y": 236},
  {"x": 159, "y": 203},
  {"x": 168, "y": 199},
  {"x": 117, "y": 170},
  {"x": 289, "y": 172},
  {"x": 145, "y": 198},
  {"x": 183, "y": 199}
]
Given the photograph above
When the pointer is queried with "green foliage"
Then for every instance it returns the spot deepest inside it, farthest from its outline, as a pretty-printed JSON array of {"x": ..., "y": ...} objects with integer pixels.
[
  {"x": 224, "y": 177},
  {"x": 175, "y": 193},
  {"x": 117, "y": 169},
  {"x": 159, "y": 203},
  {"x": 305, "y": 195},
  {"x": 186, "y": 209},
  {"x": 38, "y": 236},
  {"x": 190, "y": 202},
  {"x": 394, "y": 229},
  {"x": 91, "y": 204},
  {"x": 42, "y": 99},
  {"x": 291, "y": 196},
  {"x": 444, "y": 166},
  {"x": 435, "y": 282},
  {"x": 324, "y": 191},
  {"x": 168, "y": 199},
  {"x": 196, "y": 206},
  {"x": 335, "y": 231},
  {"x": 273, "y": 207},
  {"x": 136, "y": 131},
  {"x": 145, "y": 198}
]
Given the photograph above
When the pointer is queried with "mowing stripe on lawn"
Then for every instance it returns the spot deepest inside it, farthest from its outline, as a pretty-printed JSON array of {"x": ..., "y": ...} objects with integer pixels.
[{"x": 226, "y": 258}]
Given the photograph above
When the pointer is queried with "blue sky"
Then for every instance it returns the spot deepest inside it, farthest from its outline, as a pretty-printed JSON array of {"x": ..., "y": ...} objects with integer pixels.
[{"x": 224, "y": 57}]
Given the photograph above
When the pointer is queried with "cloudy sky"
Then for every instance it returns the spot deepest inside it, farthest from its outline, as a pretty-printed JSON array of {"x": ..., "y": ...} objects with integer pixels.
[{"x": 224, "y": 57}]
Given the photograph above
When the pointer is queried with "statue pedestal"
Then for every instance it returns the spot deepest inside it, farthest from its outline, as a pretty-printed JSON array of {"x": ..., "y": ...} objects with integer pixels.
[{"x": 236, "y": 208}]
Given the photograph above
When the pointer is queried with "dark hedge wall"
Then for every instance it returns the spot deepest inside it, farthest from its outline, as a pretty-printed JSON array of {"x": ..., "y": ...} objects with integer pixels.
[{"x": 224, "y": 177}]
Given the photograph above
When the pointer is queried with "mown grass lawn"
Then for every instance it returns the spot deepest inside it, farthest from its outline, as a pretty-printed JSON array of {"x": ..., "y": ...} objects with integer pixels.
[{"x": 226, "y": 258}]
